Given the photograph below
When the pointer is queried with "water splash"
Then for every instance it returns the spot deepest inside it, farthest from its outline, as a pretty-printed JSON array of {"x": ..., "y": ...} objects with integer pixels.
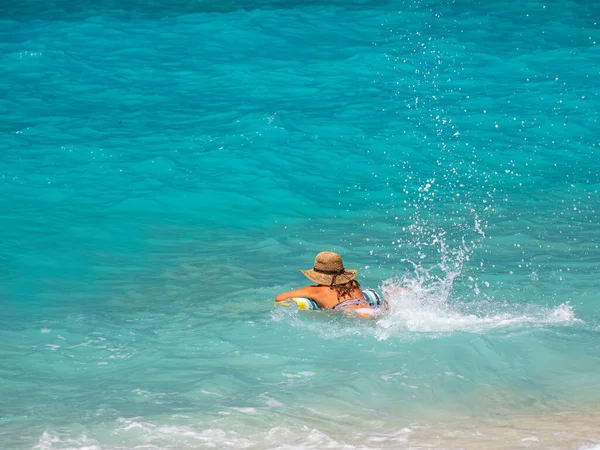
[
  {"x": 423, "y": 300},
  {"x": 429, "y": 309}
]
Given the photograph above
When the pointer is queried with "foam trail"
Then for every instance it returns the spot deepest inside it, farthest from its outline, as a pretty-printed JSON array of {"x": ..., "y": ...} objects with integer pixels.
[{"x": 421, "y": 302}]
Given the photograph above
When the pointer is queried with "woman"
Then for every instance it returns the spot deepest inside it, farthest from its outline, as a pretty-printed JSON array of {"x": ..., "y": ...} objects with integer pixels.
[{"x": 336, "y": 288}]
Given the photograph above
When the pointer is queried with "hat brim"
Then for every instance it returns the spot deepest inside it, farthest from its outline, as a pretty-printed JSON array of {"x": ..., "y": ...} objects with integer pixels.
[{"x": 324, "y": 279}]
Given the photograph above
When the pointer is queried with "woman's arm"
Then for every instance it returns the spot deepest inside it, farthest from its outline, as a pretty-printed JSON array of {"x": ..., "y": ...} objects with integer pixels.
[{"x": 306, "y": 292}]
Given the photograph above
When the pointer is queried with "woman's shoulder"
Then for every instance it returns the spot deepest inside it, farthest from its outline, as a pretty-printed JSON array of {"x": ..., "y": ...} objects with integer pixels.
[
  {"x": 306, "y": 291},
  {"x": 312, "y": 289},
  {"x": 316, "y": 288},
  {"x": 319, "y": 292}
]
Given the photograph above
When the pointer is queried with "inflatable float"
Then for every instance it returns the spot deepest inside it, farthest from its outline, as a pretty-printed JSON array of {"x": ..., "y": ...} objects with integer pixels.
[{"x": 376, "y": 304}]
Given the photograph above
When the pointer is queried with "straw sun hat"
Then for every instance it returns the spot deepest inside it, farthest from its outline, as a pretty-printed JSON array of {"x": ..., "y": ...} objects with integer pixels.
[{"x": 329, "y": 270}]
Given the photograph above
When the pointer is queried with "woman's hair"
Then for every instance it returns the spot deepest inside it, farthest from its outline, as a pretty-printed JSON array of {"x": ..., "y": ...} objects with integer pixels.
[{"x": 345, "y": 290}]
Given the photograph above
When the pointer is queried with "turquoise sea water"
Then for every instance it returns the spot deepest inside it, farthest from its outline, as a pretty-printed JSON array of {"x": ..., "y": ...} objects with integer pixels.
[{"x": 166, "y": 168}]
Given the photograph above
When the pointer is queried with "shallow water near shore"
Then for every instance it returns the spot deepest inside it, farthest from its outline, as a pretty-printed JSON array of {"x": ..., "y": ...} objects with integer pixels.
[{"x": 167, "y": 169}]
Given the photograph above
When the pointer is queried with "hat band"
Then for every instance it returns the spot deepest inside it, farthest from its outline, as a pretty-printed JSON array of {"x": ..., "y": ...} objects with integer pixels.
[{"x": 330, "y": 272}]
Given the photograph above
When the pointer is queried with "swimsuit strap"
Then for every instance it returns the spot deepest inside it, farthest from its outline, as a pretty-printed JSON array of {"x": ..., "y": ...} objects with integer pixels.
[{"x": 351, "y": 302}]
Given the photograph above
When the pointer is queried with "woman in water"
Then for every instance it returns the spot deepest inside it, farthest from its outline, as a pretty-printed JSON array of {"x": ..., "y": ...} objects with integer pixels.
[{"x": 336, "y": 287}]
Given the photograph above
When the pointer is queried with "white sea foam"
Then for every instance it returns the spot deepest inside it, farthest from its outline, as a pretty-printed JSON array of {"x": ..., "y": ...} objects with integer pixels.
[
  {"x": 538, "y": 431},
  {"x": 135, "y": 433},
  {"x": 51, "y": 441},
  {"x": 298, "y": 375}
]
